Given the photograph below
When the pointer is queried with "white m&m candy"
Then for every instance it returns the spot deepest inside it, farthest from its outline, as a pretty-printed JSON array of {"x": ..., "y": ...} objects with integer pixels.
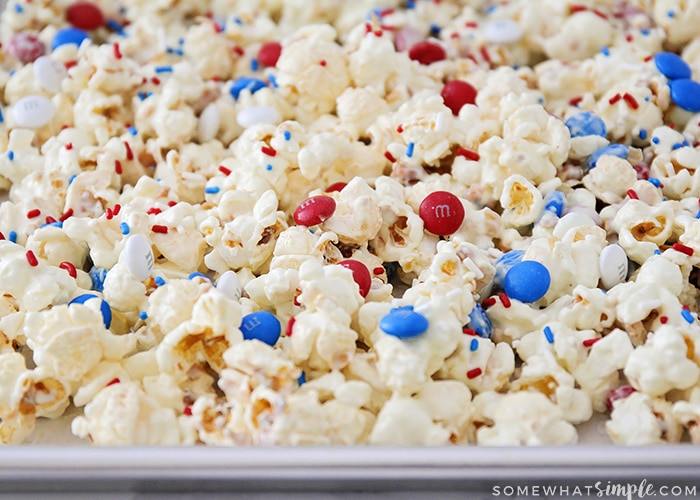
[
  {"x": 33, "y": 111},
  {"x": 138, "y": 257},
  {"x": 613, "y": 266},
  {"x": 49, "y": 73},
  {"x": 209, "y": 122},
  {"x": 229, "y": 284},
  {"x": 256, "y": 115},
  {"x": 504, "y": 31}
]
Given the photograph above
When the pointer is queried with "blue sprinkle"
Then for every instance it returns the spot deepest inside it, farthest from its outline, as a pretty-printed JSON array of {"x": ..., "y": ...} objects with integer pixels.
[
  {"x": 12, "y": 236},
  {"x": 2, "y": 118},
  {"x": 644, "y": 32},
  {"x": 619, "y": 150},
  {"x": 273, "y": 81},
  {"x": 163, "y": 69},
  {"x": 159, "y": 281},
  {"x": 677, "y": 145},
  {"x": 18, "y": 8},
  {"x": 474, "y": 345},
  {"x": 409, "y": 149},
  {"x": 655, "y": 140},
  {"x": 410, "y": 4},
  {"x": 287, "y": 135},
  {"x": 548, "y": 334},
  {"x": 657, "y": 252},
  {"x": 178, "y": 52},
  {"x": 244, "y": 83},
  {"x": 643, "y": 134},
  {"x": 72, "y": 178},
  {"x": 671, "y": 13},
  {"x": 132, "y": 130},
  {"x": 198, "y": 275},
  {"x": 125, "y": 228},
  {"x": 180, "y": 41},
  {"x": 490, "y": 9},
  {"x": 687, "y": 315},
  {"x": 143, "y": 315},
  {"x": 149, "y": 94},
  {"x": 268, "y": 167},
  {"x": 142, "y": 95},
  {"x": 555, "y": 202},
  {"x": 656, "y": 182},
  {"x": 697, "y": 215},
  {"x": 238, "y": 21},
  {"x": 115, "y": 26},
  {"x": 605, "y": 51},
  {"x": 253, "y": 64},
  {"x": 646, "y": 99},
  {"x": 540, "y": 100},
  {"x": 302, "y": 378},
  {"x": 11, "y": 155},
  {"x": 585, "y": 123},
  {"x": 98, "y": 276},
  {"x": 212, "y": 190},
  {"x": 434, "y": 29},
  {"x": 685, "y": 143}
]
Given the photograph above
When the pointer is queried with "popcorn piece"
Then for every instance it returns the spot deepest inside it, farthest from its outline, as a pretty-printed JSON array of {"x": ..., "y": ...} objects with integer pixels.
[{"x": 640, "y": 419}]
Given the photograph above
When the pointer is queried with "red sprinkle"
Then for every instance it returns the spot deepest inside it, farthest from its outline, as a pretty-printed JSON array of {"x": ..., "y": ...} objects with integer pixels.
[
  {"x": 116, "y": 209},
  {"x": 631, "y": 101},
  {"x": 680, "y": 247},
  {"x": 322, "y": 62},
  {"x": 378, "y": 270},
  {"x": 473, "y": 373},
  {"x": 31, "y": 258},
  {"x": 70, "y": 268},
  {"x": 269, "y": 53},
  {"x": 663, "y": 320},
  {"x": 471, "y": 24},
  {"x": 2, "y": 236},
  {"x": 267, "y": 150},
  {"x": 485, "y": 54},
  {"x": 469, "y": 155},
  {"x": 469, "y": 331},
  {"x": 157, "y": 228},
  {"x": 505, "y": 300},
  {"x": 109, "y": 214},
  {"x": 50, "y": 220},
  {"x": 614, "y": 99},
  {"x": 632, "y": 194},
  {"x": 155, "y": 80},
  {"x": 577, "y": 8},
  {"x": 399, "y": 129},
  {"x": 488, "y": 302},
  {"x": 590, "y": 342},
  {"x": 574, "y": 101},
  {"x": 70, "y": 64},
  {"x": 172, "y": 203},
  {"x": 69, "y": 146},
  {"x": 188, "y": 409},
  {"x": 426, "y": 53},
  {"x": 68, "y": 213},
  {"x": 117, "y": 52},
  {"x": 118, "y": 167},
  {"x": 113, "y": 381},
  {"x": 647, "y": 58},
  {"x": 389, "y": 156},
  {"x": 153, "y": 211},
  {"x": 629, "y": 37},
  {"x": 224, "y": 170},
  {"x": 34, "y": 213},
  {"x": 238, "y": 50},
  {"x": 129, "y": 153},
  {"x": 600, "y": 14},
  {"x": 290, "y": 326}
]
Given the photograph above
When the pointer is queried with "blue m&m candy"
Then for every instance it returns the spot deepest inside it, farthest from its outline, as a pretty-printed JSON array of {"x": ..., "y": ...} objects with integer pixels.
[
  {"x": 480, "y": 322},
  {"x": 67, "y": 36},
  {"x": 555, "y": 202},
  {"x": 252, "y": 84},
  {"x": 504, "y": 263},
  {"x": 685, "y": 94},
  {"x": 527, "y": 281},
  {"x": 98, "y": 276},
  {"x": 86, "y": 298},
  {"x": 619, "y": 150},
  {"x": 585, "y": 123},
  {"x": 262, "y": 326},
  {"x": 672, "y": 66},
  {"x": 404, "y": 323}
]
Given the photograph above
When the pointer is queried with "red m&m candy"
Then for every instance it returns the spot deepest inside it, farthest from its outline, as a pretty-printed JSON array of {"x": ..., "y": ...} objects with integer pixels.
[
  {"x": 269, "y": 53},
  {"x": 360, "y": 274},
  {"x": 442, "y": 213},
  {"x": 26, "y": 47},
  {"x": 427, "y": 52},
  {"x": 457, "y": 93},
  {"x": 85, "y": 15},
  {"x": 314, "y": 210}
]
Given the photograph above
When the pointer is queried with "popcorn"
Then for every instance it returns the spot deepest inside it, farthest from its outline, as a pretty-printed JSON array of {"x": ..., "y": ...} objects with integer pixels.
[{"x": 504, "y": 237}]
